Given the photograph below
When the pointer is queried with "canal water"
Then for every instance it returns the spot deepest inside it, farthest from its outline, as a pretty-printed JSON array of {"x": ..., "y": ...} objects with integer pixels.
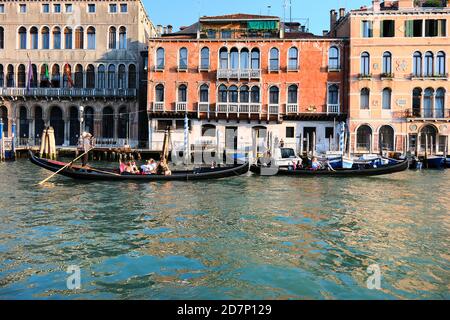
[{"x": 243, "y": 238}]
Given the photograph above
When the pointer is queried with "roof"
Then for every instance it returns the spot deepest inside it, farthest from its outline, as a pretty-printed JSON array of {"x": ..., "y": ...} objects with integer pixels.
[
  {"x": 191, "y": 30},
  {"x": 238, "y": 17}
]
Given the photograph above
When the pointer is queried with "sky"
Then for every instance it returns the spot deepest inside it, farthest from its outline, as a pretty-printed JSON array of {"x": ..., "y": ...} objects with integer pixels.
[{"x": 185, "y": 12}]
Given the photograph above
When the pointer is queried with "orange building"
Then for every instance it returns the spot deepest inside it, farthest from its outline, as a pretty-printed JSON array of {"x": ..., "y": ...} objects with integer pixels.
[
  {"x": 246, "y": 81},
  {"x": 398, "y": 75}
]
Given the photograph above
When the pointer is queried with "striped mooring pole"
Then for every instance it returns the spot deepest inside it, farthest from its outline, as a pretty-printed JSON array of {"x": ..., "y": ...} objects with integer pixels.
[
  {"x": 186, "y": 138},
  {"x": 341, "y": 138}
]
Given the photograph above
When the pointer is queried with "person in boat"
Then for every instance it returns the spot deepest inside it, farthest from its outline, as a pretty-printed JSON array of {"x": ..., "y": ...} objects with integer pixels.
[
  {"x": 87, "y": 144},
  {"x": 149, "y": 167},
  {"x": 163, "y": 168},
  {"x": 315, "y": 164},
  {"x": 134, "y": 168}
]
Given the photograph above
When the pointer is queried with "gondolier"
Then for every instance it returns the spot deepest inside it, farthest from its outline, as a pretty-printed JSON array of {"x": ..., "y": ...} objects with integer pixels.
[{"x": 86, "y": 145}]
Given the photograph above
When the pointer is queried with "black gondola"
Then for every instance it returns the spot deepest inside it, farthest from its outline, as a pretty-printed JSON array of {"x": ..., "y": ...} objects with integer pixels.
[
  {"x": 385, "y": 169},
  {"x": 83, "y": 173}
]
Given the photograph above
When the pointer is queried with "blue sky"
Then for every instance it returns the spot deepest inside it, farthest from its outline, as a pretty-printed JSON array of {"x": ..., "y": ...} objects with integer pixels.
[{"x": 185, "y": 12}]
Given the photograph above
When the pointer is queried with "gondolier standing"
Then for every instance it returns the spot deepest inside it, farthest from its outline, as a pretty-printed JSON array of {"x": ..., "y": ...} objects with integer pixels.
[{"x": 86, "y": 145}]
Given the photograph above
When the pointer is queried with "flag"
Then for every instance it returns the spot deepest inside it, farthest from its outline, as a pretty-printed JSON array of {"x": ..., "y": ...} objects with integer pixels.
[
  {"x": 68, "y": 73},
  {"x": 30, "y": 74}
]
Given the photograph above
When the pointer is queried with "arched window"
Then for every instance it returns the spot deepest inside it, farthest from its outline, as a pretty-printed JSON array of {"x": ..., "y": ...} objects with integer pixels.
[
  {"x": 101, "y": 77},
  {"x": 387, "y": 98},
  {"x": 91, "y": 41},
  {"x": 45, "y": 76},
  {"x": 223, "y": 97},
  {"x": 363, "y": 138},
  {"x": 160, "y": 59},
  {"x": 387, "y": 63},
  {"x": 204, "y": 93},
  {"x": 23, "y": 123},
  {"x": 386, "y": 137},
  {"x": 293, "y": 94},
  {"x": 90, "y": 76},
  {"x": 255, "y": 94},
  {"x": 4, "y": 117},
  {"x": 79, "y": 38},
  {"x": 365, "y": 64},
  {"x": 45, "y": 33},
  {"x": 74, "y": 126},
  {"x": 333, "y": 58},
  {"x": 428, "y": 136},
  {"x": 244, "y": 94},
  {"x": 56, "y": 76},
  {"x": 112, "y": 38},
  {"x": 428, "y": 103},
  {"x": 417, "y": 64},
  {"x": 293, "y": 59},
  {"x": 2, "y": 76},
  {"x": 122, "y": 38},
  {"x": 10, "y": 76},
  {"x": 440, "y": 103},
  {"x": 245, "y": 59},
  {"x": 274, "y": 95},
  {"x": 68, "y": 38},
  {"x": 132, "y": 76},
  {"x": 208, "y": 130},
  {"x": 2, "y": 38},
  {"x": 108, "y": 123},
  {"x": 440, "y": 63},
  {"x": 78, "y": 76},
  {"x": 204, "y": 59},
  {"x": 67, "y": 76},
  {"x": 234, "y": 59},
  {"x": 122, "y": 76},
  {"x": 34, "y": 38},
  {"x": 159, "y": 93},
  {"x": 255, "y": 59},
  {"x": 56, "y": 38},
  {"x": 274, "y": 62},
  {"x": 333, "y": 94},
  {"x": 34, "y": 78},
  {"x": 223, "y": 57},
  {"x": 365, "y": 96},
  {"x": 182, "y": 93},
  {"x": 183, "y": 59},
  {"x": 123, "y": 130},
  {"x": 21, "y": 82},
  {"x": 233, "y": 94},
  {"x": 429, "y": 64},
  {"x": 111, "y": 76},
  {"x": 417, "y": 102},
  {"x": 22, "y": 38}
]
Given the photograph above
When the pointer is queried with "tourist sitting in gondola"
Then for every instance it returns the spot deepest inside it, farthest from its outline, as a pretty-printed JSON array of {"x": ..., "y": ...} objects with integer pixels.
[
  {"x": 315, "y": 164},
  {"x": 149, "y": 167},
  {"x": 163, "y": 168}
]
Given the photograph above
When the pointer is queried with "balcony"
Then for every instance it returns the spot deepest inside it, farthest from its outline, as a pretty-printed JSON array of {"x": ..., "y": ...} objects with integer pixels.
[
  {"x": 423, "y": 115},
  {"x": 181, "y": 107},
  {"x": 274, "y": 109},
  {"x": 239, "y": 74},
  {"x": 237, "y": 108},
  {"x": 291, "y": 108},
  {"x": 333, "y": 108},
  {"x": 364, "y": 76},
  {"x": 415, "y": 76},
  {"x": 387, "y": 76},
  {"x": 158, "y": 106},
  {"x": 67, "y": 92}
]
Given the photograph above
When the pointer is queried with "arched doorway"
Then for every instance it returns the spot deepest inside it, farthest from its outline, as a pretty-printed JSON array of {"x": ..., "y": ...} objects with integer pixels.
[
  {"x": 38, "y": 124},
  {"x": 24, "y": 129},
  {"x": 428, "y": 136},
  {"x": 386, "y": 138},
  {"x": 74, "y": 126},
  {"x": 364, "y": 139},
  {"x": 89, "y": 120},
  {"x": 4, "y": 117},
  {"x": 123, "y": 130},
  {"x": 57, "y": 122},
  {"x": 108, "y": 123}
]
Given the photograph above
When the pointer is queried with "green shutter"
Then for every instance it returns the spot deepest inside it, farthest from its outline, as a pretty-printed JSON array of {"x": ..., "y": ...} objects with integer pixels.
[{"x": 409, "y": 27}]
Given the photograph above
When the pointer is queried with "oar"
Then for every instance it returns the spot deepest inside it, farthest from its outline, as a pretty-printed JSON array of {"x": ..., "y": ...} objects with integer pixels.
[{"x": 67, "y": 165}]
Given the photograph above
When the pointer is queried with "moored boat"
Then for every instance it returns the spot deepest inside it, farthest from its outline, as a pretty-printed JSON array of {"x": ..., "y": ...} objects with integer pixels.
[
  {"x": 434, "y": 162},
  {"x": 87, "y": 173}
]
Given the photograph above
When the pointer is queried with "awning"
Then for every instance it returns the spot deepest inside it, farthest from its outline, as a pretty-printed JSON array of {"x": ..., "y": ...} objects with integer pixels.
[{"x": 262, "y": 25}]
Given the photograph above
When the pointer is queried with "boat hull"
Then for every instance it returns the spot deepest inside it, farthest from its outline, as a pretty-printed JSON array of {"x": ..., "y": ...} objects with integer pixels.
[
  {"x": 79, "y": 173},
  {"x": 435, "y": 163}
]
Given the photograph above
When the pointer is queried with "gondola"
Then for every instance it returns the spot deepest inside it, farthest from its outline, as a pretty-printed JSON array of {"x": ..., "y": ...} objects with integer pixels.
[
  {"x": 85, "y": 173},
  {"x": 363, "y": 172}
]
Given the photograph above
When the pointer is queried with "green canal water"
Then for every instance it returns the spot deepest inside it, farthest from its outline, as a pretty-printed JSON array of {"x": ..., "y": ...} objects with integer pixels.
[{"x": 243, "y": 238}]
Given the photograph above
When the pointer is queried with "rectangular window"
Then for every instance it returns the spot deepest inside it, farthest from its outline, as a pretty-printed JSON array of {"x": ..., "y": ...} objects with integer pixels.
[
  {"x": 226, "y": 34},
  {"x": 57, "y": 8},
  {"x": 45, "y": 8},
  {"x": 387, "y": 28},
  {"x": 211, "y": 34},
  {"x": 2, "y": 8},
  {"x": 367, "y": 29},
  {"x": 329, "y": 133},
  {"x": 123, "y": 8},
  {"x": 164, "y": 124},
  {"x": 179, "y": 124},
  {"x": 413, "y": 28},
  {"x": 290, "y": 132},
  {"x": 91, "y": 8},
  {"x": 69, "y": 8},
  {"x": 113, "y": 8},
  {"x": 22, "y": 8},
  {"x": 435, "y": 28}
]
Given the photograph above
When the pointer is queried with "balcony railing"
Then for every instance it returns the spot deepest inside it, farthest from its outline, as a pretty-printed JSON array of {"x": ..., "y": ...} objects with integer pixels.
[
  {"x": 181, "y": 107},
  {"x": 333, "y": 108},
  {"x": 274, "y": 109},
  {"x": 238, "y": 74},
  {"x": 364, "y": 76},
  {"x": 291, "y": 108},
  {"x": 420, "y": 76},
  {"x": 237, "y": 108},
  {"x": 203, "y": 107},
  {"x": 158, "y": 107},
  {"x": 66, "y": 92}
]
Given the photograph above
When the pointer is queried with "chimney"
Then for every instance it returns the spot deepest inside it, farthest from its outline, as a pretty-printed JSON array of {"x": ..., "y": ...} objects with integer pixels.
[
  {"x": 169, "y": 29},
  {"x": 325, "y": 33},
  {"x": 333, "y": 17},
  {"x": 165, "y": 30},
  {"x": 405, "y": 4},
  {"x": 376, "y": 5},
  {"x": 341, "y": 13}
]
